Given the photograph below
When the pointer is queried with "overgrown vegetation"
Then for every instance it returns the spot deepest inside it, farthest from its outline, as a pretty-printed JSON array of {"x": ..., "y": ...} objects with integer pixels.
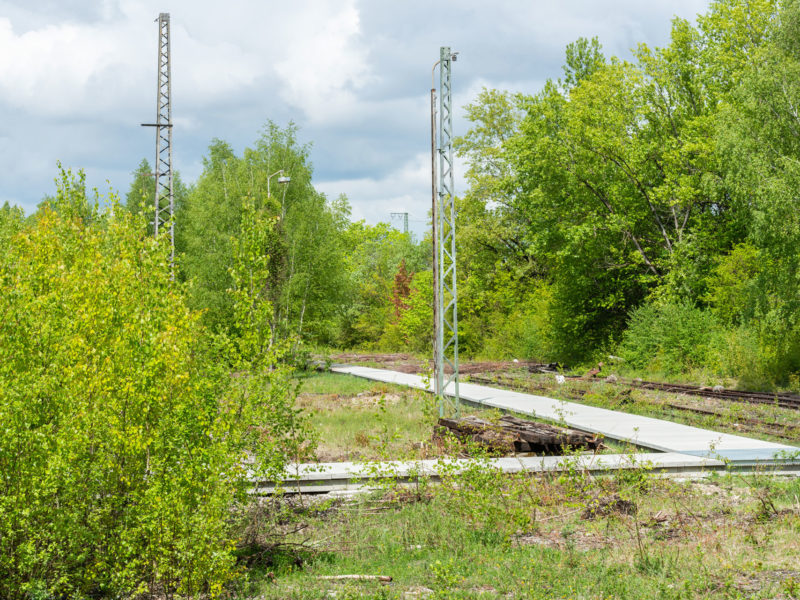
[
  {"x": 648, "y": 202},
  {"x": 125, "y": 436},
  {"x": 645, "y": 209},
  {"x": 480, "y": 534}
]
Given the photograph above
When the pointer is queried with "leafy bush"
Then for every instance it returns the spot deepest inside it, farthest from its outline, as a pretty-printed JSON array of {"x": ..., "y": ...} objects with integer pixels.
[
  {"x": 755, "y": 295},
  {"x": 122, "y": 432},
  {"x": 732, "y": 285},
  {"x": 526, "y": 331},
  {"x": 669, "y": 337},
  {"x": 413, "y": 330},
  {"x": 762, "y": 353}
]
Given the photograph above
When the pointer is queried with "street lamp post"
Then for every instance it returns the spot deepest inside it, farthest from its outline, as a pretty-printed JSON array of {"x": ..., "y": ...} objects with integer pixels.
[
  {"x": 434, "y": 217},
  {"x": 282, "y": 180}
]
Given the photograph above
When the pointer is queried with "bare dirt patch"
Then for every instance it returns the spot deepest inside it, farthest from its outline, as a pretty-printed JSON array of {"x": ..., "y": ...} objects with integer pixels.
[
  {"x": 578, "y": 540},
  {"x": 336, "y": 401}
]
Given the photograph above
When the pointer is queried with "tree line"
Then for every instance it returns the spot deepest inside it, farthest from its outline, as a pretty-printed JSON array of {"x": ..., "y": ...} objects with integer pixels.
[
  {"x": 646, "y": 208},
  {"x": 643, "y": 208}
]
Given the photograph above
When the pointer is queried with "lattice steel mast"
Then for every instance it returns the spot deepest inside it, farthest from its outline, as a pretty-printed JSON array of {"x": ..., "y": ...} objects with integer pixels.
[
  {"x": 164, "y": 195},
  {"x": 446, "y": 351},
  {"x": 402, "y": 215}
]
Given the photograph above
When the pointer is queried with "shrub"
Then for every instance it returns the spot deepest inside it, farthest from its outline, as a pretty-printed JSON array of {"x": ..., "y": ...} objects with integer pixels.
[
  {"x": 413, "y": 330},
  {"x": 732, "y": 285},
  {"x": 669, "y": 337},
  {"x": 526, "y": 331},
  {"x": 122, "y": 433},
  {"x": 762, "y": 353}
]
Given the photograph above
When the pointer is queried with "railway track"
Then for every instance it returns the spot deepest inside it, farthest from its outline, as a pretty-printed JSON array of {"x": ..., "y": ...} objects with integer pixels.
[
  {"x": 782, "y": 399},
  {"x": 524, "y": 385},
  {"x": 743, "y": 424},
  {"x": 747, "y": 424}
]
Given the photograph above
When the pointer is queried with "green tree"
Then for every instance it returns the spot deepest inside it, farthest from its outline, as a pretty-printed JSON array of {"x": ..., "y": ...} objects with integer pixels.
[
  {"x": 305, "y": 269},
  {"x": 609, "y": 188},
  {"x": 411, "y": 329},
  {"x": 373, "y": 255},
  {"x": 140, "y": 199},
  {"x": 140, "y": 196},
  {"x": 12, "y": 219},
  {"x": 758, "y": 140},
  {"x": 124, "y": 434}
]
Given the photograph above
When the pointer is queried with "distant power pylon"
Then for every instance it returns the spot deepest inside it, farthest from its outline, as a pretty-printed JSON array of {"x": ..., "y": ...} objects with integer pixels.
[
  {"x": 164, "y": 196},
  {"x": 404, "y": 215}
]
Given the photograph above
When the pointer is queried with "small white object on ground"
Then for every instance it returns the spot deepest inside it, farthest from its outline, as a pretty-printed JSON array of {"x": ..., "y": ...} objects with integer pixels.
[{"x": 560, "y": 379}]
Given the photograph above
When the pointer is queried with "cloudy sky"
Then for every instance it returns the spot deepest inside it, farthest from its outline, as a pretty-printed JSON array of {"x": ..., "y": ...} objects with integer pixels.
[{"x": 77, "y": 77}]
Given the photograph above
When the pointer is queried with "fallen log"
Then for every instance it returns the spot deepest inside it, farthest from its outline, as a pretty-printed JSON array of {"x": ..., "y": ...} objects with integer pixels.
[{"x": 511, "y": 435}]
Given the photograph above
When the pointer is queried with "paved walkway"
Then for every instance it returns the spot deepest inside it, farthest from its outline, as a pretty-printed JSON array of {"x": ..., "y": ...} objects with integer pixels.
[{"x": 647, "y": 432}]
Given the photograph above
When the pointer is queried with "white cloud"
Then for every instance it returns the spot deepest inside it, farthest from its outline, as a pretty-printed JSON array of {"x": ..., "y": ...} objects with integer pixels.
[
  {"x": 323, "y": 69},
  {"x": 78, "y": 76},
  {"x": 50, "y": 70},
  {"x": 405, "y": 189},
  {"x": 81, "y": 69}
]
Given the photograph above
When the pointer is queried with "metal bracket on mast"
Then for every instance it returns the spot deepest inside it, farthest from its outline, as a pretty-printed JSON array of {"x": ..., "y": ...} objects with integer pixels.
[{"x": 446, "y": 297}]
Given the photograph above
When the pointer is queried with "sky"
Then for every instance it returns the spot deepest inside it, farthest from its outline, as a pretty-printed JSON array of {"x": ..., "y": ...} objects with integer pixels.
[{"x": 77, "y": 77}]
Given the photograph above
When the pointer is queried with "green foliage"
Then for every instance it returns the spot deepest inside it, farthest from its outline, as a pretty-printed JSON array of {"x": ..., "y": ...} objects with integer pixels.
[
  {"x": 413, "y": 328},
  {"x": 140, "y": 199},
  {"x": 315, "y": 291},
  {"x": 583, "y": 58},
  {"x": 731, "y": 292},
  {"x": 252, "y": 307},
  {"x": 373, "y": 255},
  {"x": 667, "y": 183},
  {"x": 669, "y": 337},
  {"x": 123, "y": 433},
  {"x": 12, "y": 219},
  {"x": 141, "y": 195},
  {"x": 305, "y": 267},
  {"x": 524, "y": 331}
]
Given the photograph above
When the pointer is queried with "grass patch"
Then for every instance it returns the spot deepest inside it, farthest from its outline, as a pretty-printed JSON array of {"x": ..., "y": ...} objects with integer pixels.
[
  {"x": 567, "y": 536},
  {"x": 339, "y": 383},
  {"x": 357, "y": 419}
]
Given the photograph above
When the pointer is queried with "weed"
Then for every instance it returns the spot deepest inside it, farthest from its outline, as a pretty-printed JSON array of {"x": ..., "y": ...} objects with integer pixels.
[
  {"x": 446, "y": 578},
  {"x": 791, "y": 587}
]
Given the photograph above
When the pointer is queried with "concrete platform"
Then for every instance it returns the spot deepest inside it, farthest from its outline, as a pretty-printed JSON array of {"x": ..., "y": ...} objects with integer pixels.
[
  {"x": 647, "y": 432},
  {"x": 327, "y": 477}
]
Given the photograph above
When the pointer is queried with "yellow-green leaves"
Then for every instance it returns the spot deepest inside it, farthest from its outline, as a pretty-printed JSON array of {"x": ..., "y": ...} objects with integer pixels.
[{"x": 114, "y": 478}]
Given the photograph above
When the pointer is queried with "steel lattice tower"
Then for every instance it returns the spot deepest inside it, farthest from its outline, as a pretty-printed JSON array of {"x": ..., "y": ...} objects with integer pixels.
[
  {"x": 164, "y": 196},
  {"x": 447, "y": 296},
  {"x": 404, "y": 216}
]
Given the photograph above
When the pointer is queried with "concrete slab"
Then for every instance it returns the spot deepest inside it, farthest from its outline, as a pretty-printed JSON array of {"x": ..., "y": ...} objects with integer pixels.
[
  {"x": 647, "y": 432},
  {"x": 326, "y": 477}
]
